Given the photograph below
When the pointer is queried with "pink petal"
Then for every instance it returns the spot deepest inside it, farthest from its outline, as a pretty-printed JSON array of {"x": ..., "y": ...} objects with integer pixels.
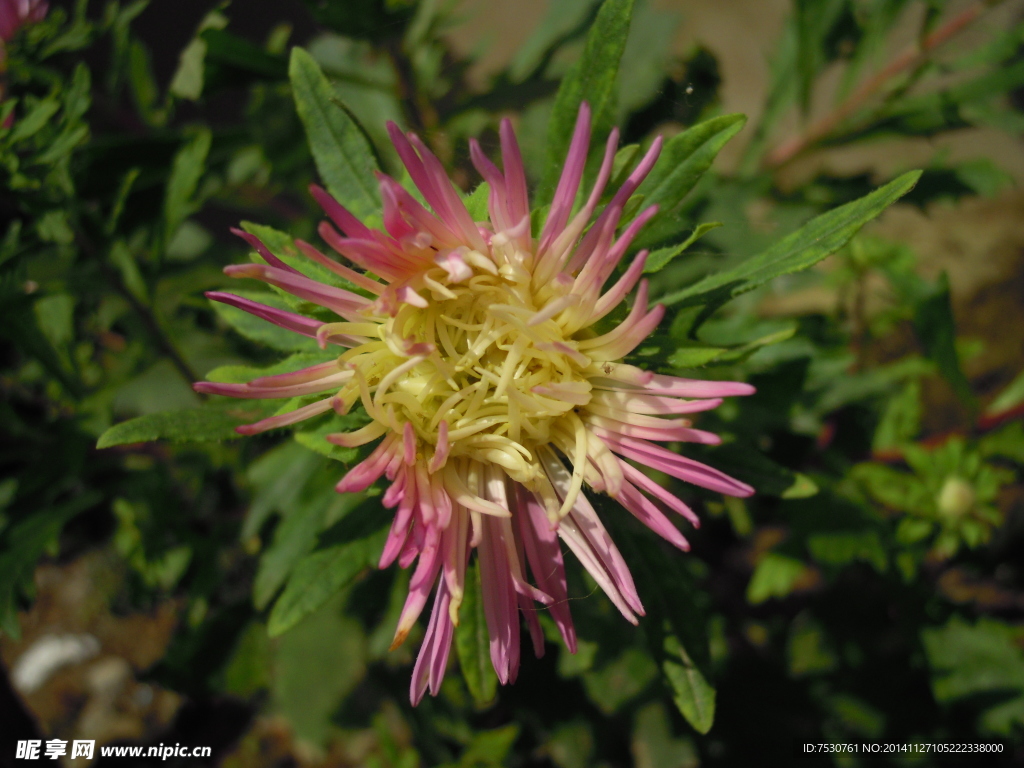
[
  {"x": 680, "y": 467},
  {"x": 540, "y": 544},
  {"x": 286, "y": 419},
  {"x": 644, "y": 510},
  {"x": 644, "y": 483},
  {"x": 306, "y": 326},
  {"x": 263, "y": 251}
]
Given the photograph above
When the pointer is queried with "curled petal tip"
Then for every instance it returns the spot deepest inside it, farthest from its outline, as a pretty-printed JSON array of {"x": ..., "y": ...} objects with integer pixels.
[{"x": 399, "y": 638}]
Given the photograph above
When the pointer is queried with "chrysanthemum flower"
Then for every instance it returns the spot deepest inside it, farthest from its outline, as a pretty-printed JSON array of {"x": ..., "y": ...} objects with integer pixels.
[{"x": 493, "y": 398}]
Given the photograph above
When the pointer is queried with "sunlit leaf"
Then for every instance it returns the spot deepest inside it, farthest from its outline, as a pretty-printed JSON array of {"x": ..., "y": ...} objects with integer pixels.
[
  {"x": 343, "y": 156},
  {"x": 591, "y": 80},
  {"x": 807, "y": 246},
  {"x": 212, "y": 422}
]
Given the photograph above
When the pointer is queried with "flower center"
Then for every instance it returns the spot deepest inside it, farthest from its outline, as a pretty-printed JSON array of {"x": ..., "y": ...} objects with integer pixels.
[{"x": 481, "y": 370}]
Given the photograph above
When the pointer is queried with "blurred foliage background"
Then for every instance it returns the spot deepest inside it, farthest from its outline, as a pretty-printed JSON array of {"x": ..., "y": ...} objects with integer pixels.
[{"x": 872, "y": 590}]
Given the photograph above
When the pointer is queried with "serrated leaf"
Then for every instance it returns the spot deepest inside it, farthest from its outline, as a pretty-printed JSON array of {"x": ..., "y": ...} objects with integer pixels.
[
  {"x": 697, "y": 356},
  {"x": 476, "y": 202},
  {"x": 343, "y": 156},
  {"x": 804, "y": 248},
  {"x": 684, "y": 159},
  {"x": 659, "y": 259},
  {"x": 472, "y": 643},
  {"x": 213, "y": 422},
  {"x": 357, "y": 544},
  {"x": 316, "y": 439},
  {"x": 591, "y": 79},
  {"x": 294, "y": 537}
]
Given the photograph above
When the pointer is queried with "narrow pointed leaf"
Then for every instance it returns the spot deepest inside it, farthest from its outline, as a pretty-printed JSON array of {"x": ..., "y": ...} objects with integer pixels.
[
  {"x": 343, "y": 156},
  {"x": 214, "y": 422},
  {"x": 804, "y": 248},
  {"x": 591, "y": 79},
  {"x": 472, "y": 643},
  {"x": 354, "y": 545},
  {"x": 684, "y": 159}
]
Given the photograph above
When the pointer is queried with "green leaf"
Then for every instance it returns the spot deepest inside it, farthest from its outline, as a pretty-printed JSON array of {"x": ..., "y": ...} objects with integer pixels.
[
  {"x": 696, "y": 356},
  {"x": 591, "y": 79},
  {"x": 186, "y": 171},
  {"x": 659, "y": 259},
  {"x": 936, "y": 328},
  {"x": 675, "y": 623},
  {"x": 223, "y": 47},
  {"x": 316, "y": 439},
  {"x": 278, "y": 478},
  {"x": 69, "y": 138},
  {"x": 802, "y": 249},
  {"x": 55, "y": 318},
  {"x": 213, "y": 422},
  {"x": 18, "y": 324},
  {"x": 489, "y": 749},
  {"x": 357, "y": 542},
  {"x": 684, "y": 159},
  {"x": 983, "y": 661},
  {"x": 612, "y": 685},
  {"x": 131, "y": 276},
  {"x": 476, "y": 202},
  {"x": 774, "y": 576},
  {"x": 34, "y": 120},
  {"x": 842, "y": 547},
  {"x": 691, "y": 691},
  {"x": 294, "y": 537},
  {"x": 562, "y": 20},
  {"x": 188, "y": 79},
  {"x": 815, "y": 20},
  {"x": 472, "y": 643},
  {"x": 23, "y": 545},
  {"x": 901, "y": 419},
  {"x": 343, "y": 156}
]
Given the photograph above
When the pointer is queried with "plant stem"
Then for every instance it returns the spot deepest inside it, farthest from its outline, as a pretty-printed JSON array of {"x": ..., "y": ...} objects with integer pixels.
[
  {"x": 145, "y": 313},
  {"x": 910, "y": 57}
]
